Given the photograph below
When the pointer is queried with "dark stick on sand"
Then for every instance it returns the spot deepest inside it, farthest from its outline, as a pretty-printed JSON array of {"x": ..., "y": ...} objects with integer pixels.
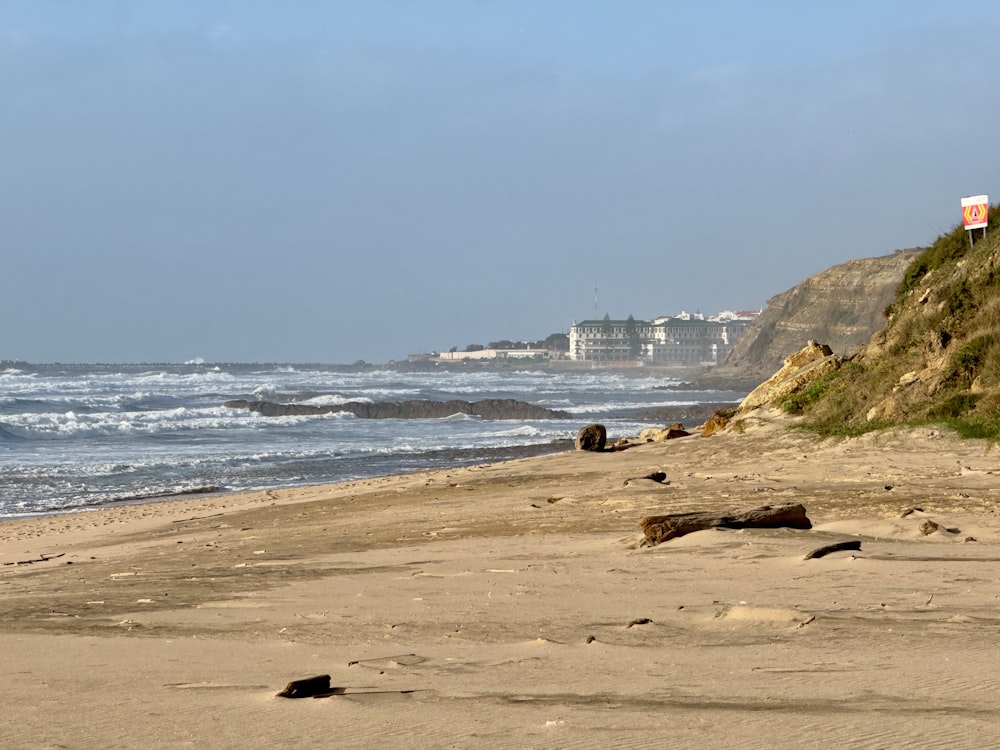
[{"x": 853, "y": 544}]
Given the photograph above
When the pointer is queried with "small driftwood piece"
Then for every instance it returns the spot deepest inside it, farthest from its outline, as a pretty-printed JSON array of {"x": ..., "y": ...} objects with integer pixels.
[
  {"x": 43, "y": 558},
  {"x": 196, "y": 518},
  {"x": 640, "y": 621},
  {"x": 307, "y": 688},
  {"x": 853, "y": 544},
  {"x": 656, "y": 476},
  {"x": 406, "y": 660},
  {"x": 662, "y": 528}
]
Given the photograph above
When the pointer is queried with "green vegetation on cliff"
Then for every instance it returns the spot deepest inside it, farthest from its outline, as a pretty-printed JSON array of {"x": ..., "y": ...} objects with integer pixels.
[{"x": 937, "y": 360}]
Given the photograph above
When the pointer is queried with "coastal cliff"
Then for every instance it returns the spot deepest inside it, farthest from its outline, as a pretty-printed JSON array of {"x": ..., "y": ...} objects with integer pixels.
[{"x": 841, "y": 307}]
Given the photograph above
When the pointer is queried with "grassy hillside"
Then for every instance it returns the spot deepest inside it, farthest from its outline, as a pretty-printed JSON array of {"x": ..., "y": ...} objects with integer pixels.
[{"x": 938, "y": 357}]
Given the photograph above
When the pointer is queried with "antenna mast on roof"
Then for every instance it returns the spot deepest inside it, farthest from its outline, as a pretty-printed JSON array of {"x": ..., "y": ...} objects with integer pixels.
[{"x": 595, "y": 301}]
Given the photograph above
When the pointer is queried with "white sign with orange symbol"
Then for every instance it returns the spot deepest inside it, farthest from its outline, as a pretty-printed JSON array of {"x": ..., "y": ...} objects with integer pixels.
[{"x": 975, "y": 210}]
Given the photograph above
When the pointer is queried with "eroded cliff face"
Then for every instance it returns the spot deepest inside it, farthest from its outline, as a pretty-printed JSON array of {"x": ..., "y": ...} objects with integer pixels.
[{"x": 841, "y": 307}]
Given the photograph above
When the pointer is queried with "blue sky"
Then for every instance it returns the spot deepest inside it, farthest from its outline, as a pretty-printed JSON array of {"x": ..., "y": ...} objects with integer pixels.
[{"x": 328, "y": 181}]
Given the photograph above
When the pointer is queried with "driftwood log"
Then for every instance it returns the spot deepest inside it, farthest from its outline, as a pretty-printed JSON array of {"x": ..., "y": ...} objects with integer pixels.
[{"x": 661, "y": 528}]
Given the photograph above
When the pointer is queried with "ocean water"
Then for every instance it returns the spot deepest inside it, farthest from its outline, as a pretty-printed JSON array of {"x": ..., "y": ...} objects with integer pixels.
[{"x": 78, "y": 437}]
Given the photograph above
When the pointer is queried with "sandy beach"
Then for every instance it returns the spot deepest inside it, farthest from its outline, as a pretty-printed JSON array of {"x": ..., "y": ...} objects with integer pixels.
[{"x": 513, "y": 605}]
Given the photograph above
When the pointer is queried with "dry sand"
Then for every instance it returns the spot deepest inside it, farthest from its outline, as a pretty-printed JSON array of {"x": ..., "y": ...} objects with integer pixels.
[{"x": 511, "y": 605}]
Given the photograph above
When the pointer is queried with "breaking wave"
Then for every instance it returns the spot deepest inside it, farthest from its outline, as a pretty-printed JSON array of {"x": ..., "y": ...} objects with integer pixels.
[{"x": 79, "y": 437}]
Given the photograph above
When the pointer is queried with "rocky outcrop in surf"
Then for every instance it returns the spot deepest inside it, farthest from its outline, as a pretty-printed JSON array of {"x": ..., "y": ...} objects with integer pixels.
[{"x": 493, "y": 408}]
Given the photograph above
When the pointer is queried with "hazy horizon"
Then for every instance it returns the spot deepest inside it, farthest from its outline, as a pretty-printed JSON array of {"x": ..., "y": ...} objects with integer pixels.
[{"x": 322, "y": 182}]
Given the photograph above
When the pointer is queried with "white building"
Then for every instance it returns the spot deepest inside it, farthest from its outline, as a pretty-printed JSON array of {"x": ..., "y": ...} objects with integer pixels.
[
  {"x": 494, "y": 354},
  {"x": 687, "y": 340}
]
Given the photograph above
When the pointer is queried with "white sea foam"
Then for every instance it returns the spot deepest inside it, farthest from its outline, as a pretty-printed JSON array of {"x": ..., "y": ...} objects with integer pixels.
[
  {"x": 522, "y": 431},
  {"x": 334, "y": 399},
  {"x": 263, "y": 392},
  {"x": 78, "y": 437},
  {"x": 459, "y": 417}
]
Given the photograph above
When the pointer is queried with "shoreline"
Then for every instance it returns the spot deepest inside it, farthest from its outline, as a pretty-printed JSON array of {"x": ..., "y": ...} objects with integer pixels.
[
  {"x": 125, "y": 437},
  {"x": 453, "y": 458},
  {"x": 461, "y": 457},
  {"x": 512, "y": 604}
]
